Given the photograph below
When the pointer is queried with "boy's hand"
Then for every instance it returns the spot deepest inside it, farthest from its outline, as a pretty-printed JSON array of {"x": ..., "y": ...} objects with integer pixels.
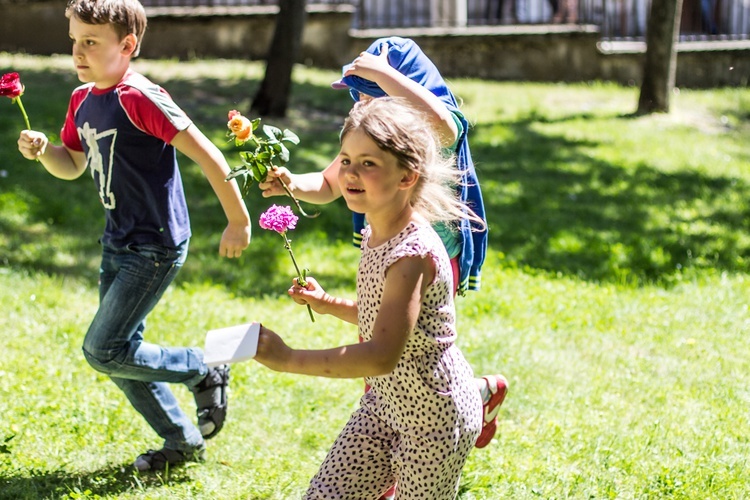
[
  {"x": 271, "y": 186},
  {"x": 234, "y": 240},
  {"x": 32, "y": 144}
]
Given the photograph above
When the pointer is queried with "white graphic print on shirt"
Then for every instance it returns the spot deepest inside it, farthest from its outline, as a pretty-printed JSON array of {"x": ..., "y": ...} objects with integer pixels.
[{"x": 100, "y": 171}]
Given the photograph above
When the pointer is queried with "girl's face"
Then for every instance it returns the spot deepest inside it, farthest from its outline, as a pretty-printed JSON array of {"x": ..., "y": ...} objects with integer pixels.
[
  {"x": 371, "y": 179},
  {"x": 98, "y": 53}
]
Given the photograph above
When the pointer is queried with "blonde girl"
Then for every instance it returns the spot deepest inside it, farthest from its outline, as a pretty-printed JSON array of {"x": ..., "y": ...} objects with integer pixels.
[{"x": 423, "y": 413}]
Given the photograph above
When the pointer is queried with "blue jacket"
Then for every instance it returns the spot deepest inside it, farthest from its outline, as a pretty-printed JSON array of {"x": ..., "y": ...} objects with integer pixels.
[{"x": 409, "y": 60}]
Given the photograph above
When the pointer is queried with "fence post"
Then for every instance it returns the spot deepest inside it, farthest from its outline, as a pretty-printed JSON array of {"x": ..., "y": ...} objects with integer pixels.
[{"x": 453, "y": 13}]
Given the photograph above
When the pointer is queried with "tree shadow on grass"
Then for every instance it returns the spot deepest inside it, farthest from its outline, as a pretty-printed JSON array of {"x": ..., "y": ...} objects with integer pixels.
[
  {"x": 552, "y": 207},
  {"x": 108, "y": 481}
]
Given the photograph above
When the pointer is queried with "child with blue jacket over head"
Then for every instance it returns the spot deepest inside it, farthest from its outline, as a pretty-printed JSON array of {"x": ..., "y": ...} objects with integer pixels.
[{"x": 126, "y": 130}]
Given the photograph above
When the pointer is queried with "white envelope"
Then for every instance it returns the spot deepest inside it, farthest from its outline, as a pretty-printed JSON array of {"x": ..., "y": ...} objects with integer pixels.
[{"x": 231, "y": 344}]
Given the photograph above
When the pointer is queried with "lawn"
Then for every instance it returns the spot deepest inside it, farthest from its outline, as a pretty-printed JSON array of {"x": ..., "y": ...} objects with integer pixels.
[{"x": 614, "y": 298}]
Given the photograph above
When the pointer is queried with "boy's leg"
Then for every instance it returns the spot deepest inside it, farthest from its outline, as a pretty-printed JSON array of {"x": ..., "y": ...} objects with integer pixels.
[{"x": 132, "y": 282}]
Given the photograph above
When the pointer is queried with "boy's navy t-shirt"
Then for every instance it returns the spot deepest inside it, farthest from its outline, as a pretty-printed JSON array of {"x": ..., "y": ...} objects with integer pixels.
[{"x": 125, "y": 133}]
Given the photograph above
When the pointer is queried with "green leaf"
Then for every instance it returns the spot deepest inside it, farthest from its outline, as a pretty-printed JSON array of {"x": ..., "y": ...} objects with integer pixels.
[
  {"x": 273, "y": 133},
  {"x": 265, "y": 156},
  {"x": 236, "y": 172},
  {"x": 284, "y": 154},
  {"x": 290, "y": 136},
  {"x": 259, "y": 170}
]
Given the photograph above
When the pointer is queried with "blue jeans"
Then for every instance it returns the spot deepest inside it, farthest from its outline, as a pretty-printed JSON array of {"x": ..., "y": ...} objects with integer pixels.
[{"x": 132, "y": 280}]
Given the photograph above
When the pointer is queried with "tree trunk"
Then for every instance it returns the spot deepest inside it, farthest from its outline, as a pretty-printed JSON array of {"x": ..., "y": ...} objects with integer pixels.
[
  {"x": 272, "y": 97},
  {"x": 660, "y": 64}
]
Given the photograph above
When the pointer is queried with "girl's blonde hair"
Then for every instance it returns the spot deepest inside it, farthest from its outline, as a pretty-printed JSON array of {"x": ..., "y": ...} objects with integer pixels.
[
  {"x": 125, "y": 16},
  {"x": 401, "y": 130}
]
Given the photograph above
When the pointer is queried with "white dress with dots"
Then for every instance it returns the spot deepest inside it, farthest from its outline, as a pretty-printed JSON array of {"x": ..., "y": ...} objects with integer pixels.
[{"x": 417, "y": 424}]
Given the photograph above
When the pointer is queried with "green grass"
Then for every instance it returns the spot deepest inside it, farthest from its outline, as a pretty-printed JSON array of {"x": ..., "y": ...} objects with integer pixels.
[{"x": 615, "y": 299}]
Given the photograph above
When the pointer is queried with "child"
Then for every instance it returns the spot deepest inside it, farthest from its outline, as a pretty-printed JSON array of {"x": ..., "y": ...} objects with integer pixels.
[
  {"x": 396, "y": 66},
  {"x": 126, "y": 129},
  {"x": 422, "y": 415}
]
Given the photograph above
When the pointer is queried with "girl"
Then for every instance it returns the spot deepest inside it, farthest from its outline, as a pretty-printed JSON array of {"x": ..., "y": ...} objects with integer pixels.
[
  {"x": 423, "y": 413},
  {"x": 398, "y": 67}
]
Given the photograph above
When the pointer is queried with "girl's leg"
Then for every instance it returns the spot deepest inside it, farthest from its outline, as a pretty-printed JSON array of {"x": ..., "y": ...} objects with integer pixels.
[
  {"x": 493, "y": 388},
  {"x": 359, "y": 462},
  {"x": 431, "y": 468}
]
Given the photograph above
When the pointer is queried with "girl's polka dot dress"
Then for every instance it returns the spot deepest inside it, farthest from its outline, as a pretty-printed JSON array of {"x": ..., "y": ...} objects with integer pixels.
[{"x": 417, "y": 424}]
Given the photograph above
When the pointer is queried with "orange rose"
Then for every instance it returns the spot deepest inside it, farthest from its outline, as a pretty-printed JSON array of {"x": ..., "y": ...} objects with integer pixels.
[{"x": 240, "y": 127}]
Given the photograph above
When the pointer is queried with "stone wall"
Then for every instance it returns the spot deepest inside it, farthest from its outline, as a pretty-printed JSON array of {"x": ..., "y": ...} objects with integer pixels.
[{"x": 544, "y": 53}]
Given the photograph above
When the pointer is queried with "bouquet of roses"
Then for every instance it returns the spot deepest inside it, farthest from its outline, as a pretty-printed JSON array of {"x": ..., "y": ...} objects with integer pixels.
[{"x": 266, "y": 152}]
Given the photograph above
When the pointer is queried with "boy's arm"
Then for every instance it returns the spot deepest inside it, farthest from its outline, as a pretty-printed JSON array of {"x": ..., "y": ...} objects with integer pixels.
[
  {"x": 318, "y": 188},
  {"x": 395, "y": 84},
  {"x": 401, "y": 303},
  {"x": 196, "y": 146},
  {"x": 59, "y": 161}
]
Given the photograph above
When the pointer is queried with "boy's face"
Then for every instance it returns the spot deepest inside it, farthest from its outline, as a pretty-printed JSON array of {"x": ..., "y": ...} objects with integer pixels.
[{"x": 98, "y": 53}]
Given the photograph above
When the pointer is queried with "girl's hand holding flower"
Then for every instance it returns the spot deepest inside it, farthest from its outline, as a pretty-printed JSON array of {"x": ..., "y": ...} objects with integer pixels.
[{"x": 311, "y": 294}]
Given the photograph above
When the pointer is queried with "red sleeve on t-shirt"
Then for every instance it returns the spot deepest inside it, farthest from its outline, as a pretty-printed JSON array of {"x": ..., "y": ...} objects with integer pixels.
[
  {"x": 146, "y": 115},
  {"x": 69, "y": 132}
]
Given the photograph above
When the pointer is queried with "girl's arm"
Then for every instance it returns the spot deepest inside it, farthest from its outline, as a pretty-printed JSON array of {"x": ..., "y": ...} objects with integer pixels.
[
  {"x": 401, "y": 303},
  {"x": 322, "y": 303},
  {"x": 318, "y": 188},
  {"x": 395, "y": 84},
  {"x": 59, "y": 161},
  {"x": 196, "y": 146}
]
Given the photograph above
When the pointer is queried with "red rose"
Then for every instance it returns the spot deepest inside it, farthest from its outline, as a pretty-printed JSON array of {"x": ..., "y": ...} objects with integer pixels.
[{"x": 10, "y": 86}]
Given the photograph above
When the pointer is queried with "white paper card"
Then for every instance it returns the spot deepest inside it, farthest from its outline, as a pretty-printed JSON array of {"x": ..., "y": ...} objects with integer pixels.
[{"x": 231, "y": 344}]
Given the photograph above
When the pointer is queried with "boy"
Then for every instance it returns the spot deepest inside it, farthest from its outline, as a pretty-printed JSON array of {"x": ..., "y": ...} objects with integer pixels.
[{"x": 126, "y": 129}]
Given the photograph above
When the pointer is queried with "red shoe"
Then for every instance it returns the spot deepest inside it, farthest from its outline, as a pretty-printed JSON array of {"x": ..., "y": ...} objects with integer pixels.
[
  {"x": 390, "y": 494},
  {"x": 498, "y": 387}
]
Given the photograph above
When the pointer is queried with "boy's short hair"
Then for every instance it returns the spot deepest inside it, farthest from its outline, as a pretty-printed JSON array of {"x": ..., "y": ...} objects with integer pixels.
[{"x": 125, "y": 16}]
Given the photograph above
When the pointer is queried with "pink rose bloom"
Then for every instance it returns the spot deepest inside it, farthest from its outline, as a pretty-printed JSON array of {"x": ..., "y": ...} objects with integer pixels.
[{"x": 278, "y": 218}]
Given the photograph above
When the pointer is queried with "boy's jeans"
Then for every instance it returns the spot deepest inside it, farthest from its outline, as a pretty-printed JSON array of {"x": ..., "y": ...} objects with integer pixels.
[{"x": 132, "y": 280}]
